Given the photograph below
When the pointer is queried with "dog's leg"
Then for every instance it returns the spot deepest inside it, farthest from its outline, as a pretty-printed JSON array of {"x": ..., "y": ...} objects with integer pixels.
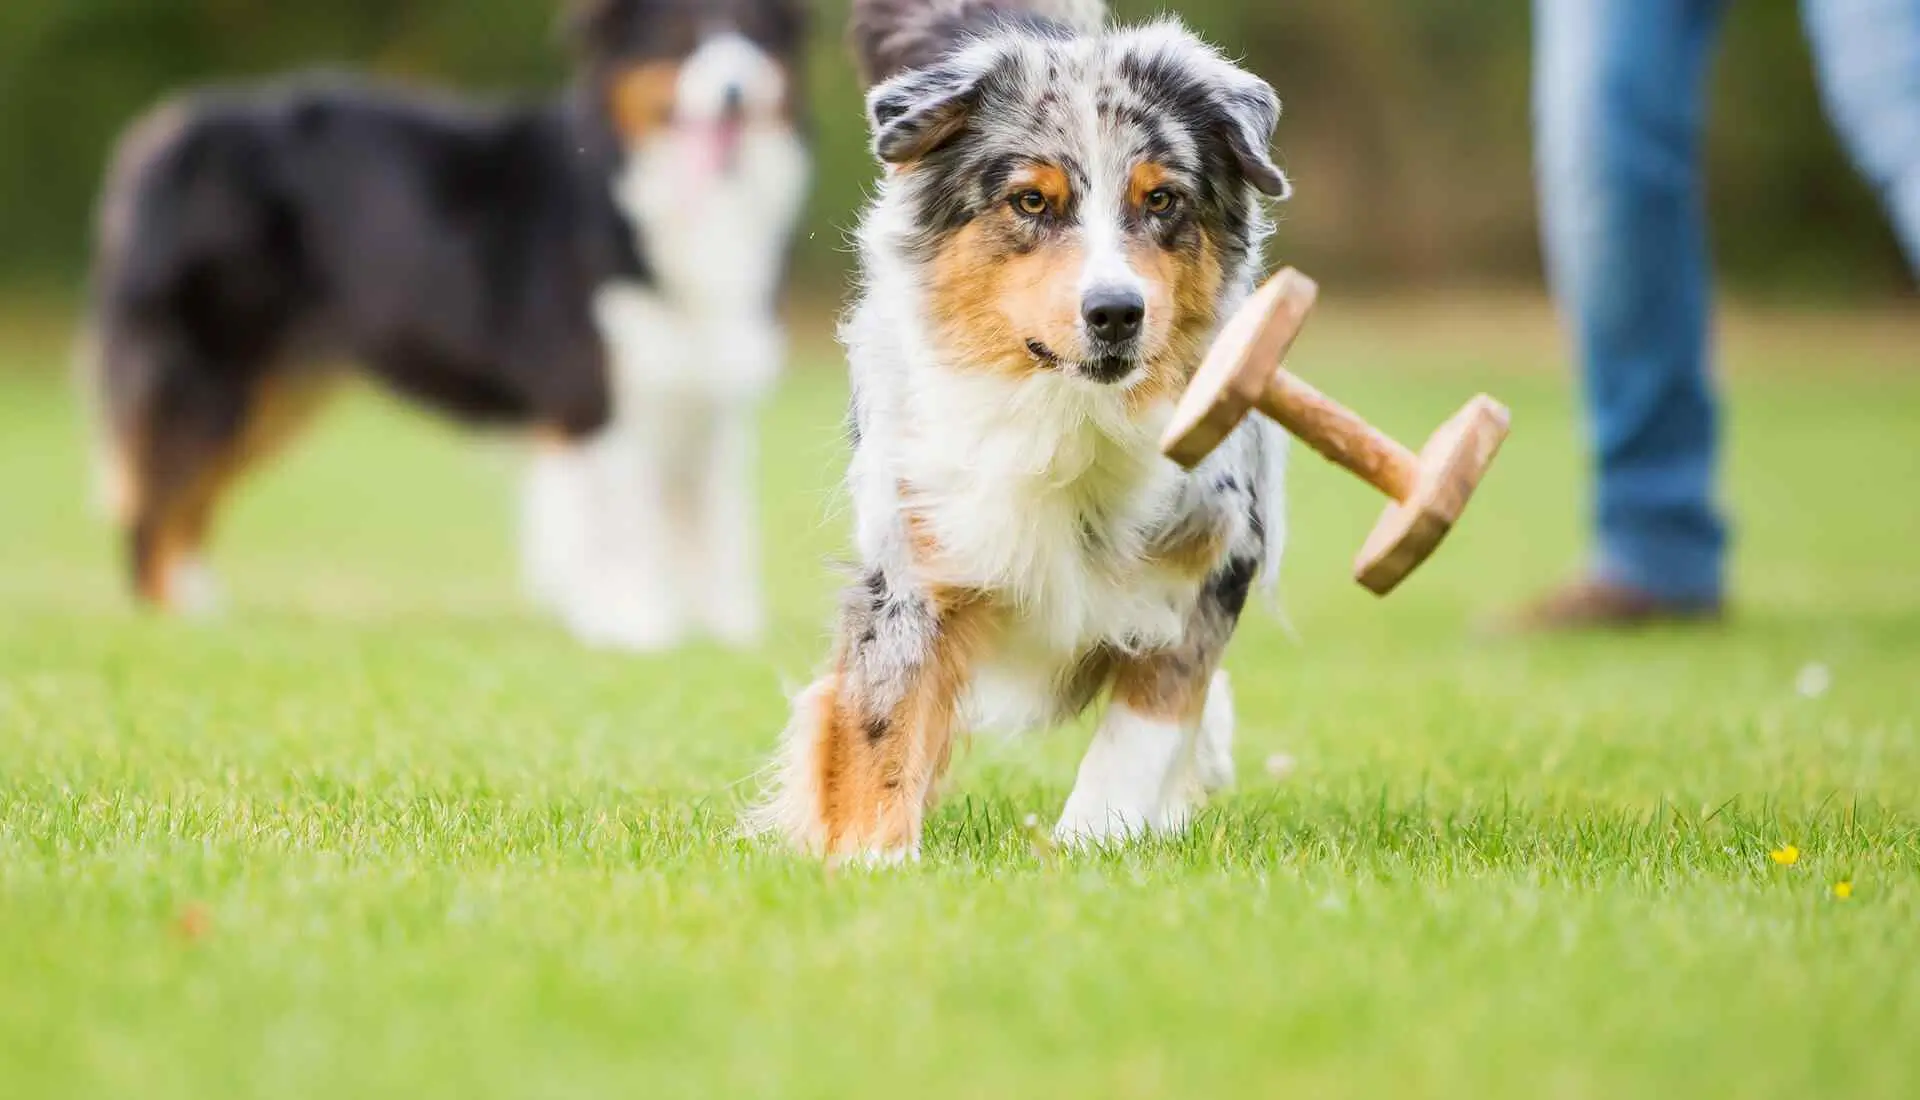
[
  {"x": 1166, "y": 739},
  {"x": 638, "y": 583},
  {"x": 625, "y": 597},
  {"x": 867, "y": 743},
  {"x": 557, "y": 522},
  {"x": 732, "y": 605},
  {"x": 199, "y": 433},
  {"x": 1133, "y": 780},
  {"x": 636, "y": 594}
]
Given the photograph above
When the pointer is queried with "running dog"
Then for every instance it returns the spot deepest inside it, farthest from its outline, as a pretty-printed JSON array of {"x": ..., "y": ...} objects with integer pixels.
[
  {"x": 599, "y": 272},
  {"x": 1069, "y": 212}
]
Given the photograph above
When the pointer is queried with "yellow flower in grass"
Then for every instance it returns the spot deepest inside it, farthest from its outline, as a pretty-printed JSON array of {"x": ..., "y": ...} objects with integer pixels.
[
  {"x": 1843, "y": 890},
  {"x": 1786, "y": 856}
]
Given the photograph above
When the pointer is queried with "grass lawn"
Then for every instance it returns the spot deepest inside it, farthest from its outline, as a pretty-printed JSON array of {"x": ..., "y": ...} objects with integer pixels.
[{"x": 383, "y": 831}]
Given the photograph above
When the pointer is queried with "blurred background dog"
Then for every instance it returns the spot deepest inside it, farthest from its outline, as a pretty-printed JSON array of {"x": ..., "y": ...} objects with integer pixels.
[{"x": 599, "y": 271}]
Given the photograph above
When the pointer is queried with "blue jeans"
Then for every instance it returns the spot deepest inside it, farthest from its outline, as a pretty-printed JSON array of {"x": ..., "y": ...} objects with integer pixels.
[{"x": 1619, "y": 101}]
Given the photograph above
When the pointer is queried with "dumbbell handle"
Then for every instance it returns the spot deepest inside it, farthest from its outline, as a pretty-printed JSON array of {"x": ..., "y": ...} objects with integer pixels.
[{"x": 1341, "y": 436}]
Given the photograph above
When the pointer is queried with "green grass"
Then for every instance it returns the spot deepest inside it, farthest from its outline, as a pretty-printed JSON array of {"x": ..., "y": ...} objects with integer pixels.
[{"x": 385, "y": 832}]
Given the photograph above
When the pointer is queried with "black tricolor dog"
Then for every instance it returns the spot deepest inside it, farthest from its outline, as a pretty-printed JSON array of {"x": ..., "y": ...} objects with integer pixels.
[{"x": 600, "y": 270}]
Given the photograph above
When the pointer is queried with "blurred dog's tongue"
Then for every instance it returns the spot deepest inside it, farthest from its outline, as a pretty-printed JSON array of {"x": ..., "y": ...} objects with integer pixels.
[{"x": 715, "y": 146}]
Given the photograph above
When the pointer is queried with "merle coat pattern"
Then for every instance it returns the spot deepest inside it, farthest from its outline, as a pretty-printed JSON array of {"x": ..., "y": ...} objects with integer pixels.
[{"x": 1069, "y": 212}]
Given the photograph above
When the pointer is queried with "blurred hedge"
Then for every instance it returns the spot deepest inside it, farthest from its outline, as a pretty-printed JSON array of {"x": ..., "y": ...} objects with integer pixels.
[{"x": 1406, "y": 127}]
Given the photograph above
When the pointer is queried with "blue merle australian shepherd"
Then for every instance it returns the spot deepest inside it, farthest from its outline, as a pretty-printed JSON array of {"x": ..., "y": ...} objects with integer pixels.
[
  {"x": 598, "y": 272},
  {"x": 1068, "y": 213}
]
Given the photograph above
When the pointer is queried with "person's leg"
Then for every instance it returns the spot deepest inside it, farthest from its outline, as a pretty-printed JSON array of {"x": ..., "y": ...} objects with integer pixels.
[
  {"x": 1868, "y": 54},
  {"x": 1619, "y": 100}
]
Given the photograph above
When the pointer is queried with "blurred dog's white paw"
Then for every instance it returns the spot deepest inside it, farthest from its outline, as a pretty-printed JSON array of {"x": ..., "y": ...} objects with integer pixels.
[
  {"x": 623, "y": 614},
  {"x": 192, "y": 591}
]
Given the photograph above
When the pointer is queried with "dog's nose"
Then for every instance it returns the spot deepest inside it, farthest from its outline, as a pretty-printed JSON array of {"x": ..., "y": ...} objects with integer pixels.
[
  {"x": 1112, "y": 314},
  {"x": 733, "y": 101}
]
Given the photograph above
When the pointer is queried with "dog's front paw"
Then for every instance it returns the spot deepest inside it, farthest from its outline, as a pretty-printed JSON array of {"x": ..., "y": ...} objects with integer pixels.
[
  {"x": 1084, "y": 826},
  {"x": 1086, "y": 823},
  {"x": 875, "y": 858},
  {"x": 626, "y": 630},
  {"x": 191, "y": 591},
  {"x": 624, "y": 613}
]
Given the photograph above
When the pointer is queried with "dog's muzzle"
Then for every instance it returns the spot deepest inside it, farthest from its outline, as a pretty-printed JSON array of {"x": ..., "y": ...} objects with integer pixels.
[{"x": 1112, "y": 318}]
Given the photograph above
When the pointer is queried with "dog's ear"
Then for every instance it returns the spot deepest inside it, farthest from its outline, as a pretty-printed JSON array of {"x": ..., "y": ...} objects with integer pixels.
[
  {"x": 920, "y": 110},
  {"x": 1251, "y": 111},
  {"x": 1234, "y": 105}
]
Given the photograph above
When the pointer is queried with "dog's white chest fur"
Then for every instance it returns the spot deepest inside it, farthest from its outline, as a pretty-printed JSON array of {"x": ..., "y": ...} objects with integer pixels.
[
  {"x": 715, "y": 245},
  {"x": 716, "y": 239},
  {"x": 1043, "y": 492}
]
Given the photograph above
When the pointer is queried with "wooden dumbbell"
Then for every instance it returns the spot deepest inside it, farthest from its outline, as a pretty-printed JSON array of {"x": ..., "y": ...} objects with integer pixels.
[{"x": 1429, "y": 490}]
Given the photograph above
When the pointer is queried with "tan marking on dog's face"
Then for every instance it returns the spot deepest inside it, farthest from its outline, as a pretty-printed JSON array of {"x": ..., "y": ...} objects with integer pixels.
[
  {"x": 1182, "y": 291},
  {"x": 641, "y": 99},
  {"x": 1183, "y": 279},
  {"x": 1147, "y": 177},
  {"x": 1014, "y": 275},
  {"x": 994, "y": 288},
  {"x": 1050, "y": 180}
]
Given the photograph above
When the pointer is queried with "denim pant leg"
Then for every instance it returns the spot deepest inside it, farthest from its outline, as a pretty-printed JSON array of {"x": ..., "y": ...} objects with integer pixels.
[
  {"x": 1619, "y": 97},
  {"x": 1868, "y": 55}
]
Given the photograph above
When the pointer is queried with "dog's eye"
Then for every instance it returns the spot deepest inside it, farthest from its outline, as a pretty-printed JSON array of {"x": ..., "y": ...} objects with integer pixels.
[
  {"x": 1031, "y": 203},
  {"x": 1160, "y": 201}
]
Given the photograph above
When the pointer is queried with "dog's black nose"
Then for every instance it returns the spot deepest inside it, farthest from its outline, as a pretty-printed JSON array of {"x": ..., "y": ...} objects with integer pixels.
[
  {"x": 1113, "y": 315},
  {"x": 733, "y": 101}
]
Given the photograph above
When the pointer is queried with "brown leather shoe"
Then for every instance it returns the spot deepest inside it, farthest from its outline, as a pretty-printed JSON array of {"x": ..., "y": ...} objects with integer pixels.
[{"x": 1603, "y": 605}]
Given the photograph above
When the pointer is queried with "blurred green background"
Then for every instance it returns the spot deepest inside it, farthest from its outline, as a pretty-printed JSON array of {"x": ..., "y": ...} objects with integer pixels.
[{"x": 1406, "y": 127}]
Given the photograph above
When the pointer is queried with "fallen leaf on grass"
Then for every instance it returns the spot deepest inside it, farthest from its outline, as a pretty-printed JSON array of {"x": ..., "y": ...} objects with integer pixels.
[{"x": 193, "y": 922}]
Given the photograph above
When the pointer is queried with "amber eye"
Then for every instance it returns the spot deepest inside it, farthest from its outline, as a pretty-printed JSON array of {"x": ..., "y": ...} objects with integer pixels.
[
  {"x": 1160, "y": 201},
  {"x": 1031, "y": 203}
]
